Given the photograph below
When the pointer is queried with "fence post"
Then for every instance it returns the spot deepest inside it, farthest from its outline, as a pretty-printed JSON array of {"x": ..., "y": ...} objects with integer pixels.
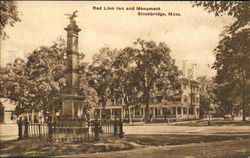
[
  {"x": 121, "y": 128},
  {"x": 96, "y": 130},
  {"x": 26, "y": 131},
  {"x": 20, "y": 129},
  {"x": 50, "y": 130}
]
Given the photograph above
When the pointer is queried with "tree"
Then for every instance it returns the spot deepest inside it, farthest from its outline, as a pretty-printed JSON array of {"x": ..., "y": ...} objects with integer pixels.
[
  {"x": 207, "y": 95},
  {"x": 125, "y": 81},
  {"x": 240, "y": 10},
  {"x": 232, "y": 65},
  {"x": 45, "y": 69},
  {"x": 9, "y": 16},
  {"x": 154, "y": 65},
  {"x": 232, "y": 54},
  {"x": 90, "y": 97},
  {"x": 15, "y": 85},
  {"x": 101, "y": 74},
  {"x": 36, "y": 84}
]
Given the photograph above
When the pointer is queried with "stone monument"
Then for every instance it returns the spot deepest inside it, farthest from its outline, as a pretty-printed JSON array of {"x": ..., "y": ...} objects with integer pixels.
[{"x": 72, "y": 101}]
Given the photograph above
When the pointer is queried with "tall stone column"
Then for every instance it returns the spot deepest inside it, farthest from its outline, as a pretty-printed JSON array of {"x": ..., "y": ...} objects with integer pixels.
[{"x": 72, "y": 101}]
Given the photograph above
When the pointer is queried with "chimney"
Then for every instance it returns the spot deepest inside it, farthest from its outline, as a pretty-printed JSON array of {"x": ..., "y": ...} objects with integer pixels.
[
  {"x": 194, "y": 69},
  {"x": 184, "y": 68}
]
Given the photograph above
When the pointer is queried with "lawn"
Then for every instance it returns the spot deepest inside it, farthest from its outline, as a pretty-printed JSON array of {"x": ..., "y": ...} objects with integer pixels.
[
  {"x": 214, "y": 122},
  {"x": 30, "y": 148},
  {"x": 172, "y": 139}
]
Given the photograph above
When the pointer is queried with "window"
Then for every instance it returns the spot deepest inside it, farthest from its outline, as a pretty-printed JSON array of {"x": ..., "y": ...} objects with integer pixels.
[
  {"x": 142, "y": 99},
  {"x": 152, "y": 100},
  {"x": 185, "y": 98},
  {"x": 178, "y": 99},
  {"x": 112, "y": 101},
  {"x": 106, "y": 113},
  {"x": 97, "y": 112},
  {"x": 184, "y": 110},
  {"x": 197, "y": 99},
  {"x": 193, "y": 99},
  {"x": 174, "y": 110},
  {"x": 30, "y": 118},
  {"x": 119, "y": 101},
  {"x": 137, "y": 111},
  {"x": 157, "y": 111},
  {"x": 179, "y": 110},
  {"x": 159, "y": 99},
  {"x": 184, "y": 86},
  {"x": 197, "y": 89},
  {"x": 191, "y": 110}
]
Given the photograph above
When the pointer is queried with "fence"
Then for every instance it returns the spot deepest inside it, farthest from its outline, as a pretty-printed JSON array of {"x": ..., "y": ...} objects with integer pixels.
[{"x": 71, "y": 130}]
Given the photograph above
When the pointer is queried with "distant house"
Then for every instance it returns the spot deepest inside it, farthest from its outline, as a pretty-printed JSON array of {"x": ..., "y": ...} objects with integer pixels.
[{"x": 7, "y": 111}]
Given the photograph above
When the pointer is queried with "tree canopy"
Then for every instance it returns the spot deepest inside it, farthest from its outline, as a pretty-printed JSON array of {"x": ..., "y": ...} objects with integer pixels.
[
  {"x": 9, "y": 16},
  {"x": 36, "y": 83},
  {"x": 233, "y": 69},
  {"x": 154, "y": 66},
  {"x": 240, "y": 10},
  {"x": 232, "y": 55}
]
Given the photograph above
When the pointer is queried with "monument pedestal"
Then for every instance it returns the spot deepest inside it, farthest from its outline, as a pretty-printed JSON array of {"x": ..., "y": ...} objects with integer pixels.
[{"x": 72, "y": 107}]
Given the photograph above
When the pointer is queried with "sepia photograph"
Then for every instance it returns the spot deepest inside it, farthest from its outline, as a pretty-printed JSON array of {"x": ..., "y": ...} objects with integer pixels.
[{"x": 125, "y": 79}]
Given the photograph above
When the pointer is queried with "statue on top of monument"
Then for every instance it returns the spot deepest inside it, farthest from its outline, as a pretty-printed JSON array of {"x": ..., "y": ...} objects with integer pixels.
[{"x": 72, "y": 16}]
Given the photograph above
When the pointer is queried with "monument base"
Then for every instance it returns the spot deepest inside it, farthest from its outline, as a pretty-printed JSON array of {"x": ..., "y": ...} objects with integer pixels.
[{"x": 72, "y": 107}]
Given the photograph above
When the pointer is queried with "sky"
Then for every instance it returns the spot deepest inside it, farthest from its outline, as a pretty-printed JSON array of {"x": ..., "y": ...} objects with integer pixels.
[{"x": 191, "y": 36}]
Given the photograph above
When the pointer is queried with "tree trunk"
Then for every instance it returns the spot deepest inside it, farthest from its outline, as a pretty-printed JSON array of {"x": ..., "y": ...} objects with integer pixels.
[
  {"x": 103, "y": 111},
  {"x": 129, "y": 116},
  {"x": 147, "y": 119},
  {"x": 44, "y": 115},
  {"x": 243, "y": 108},
  {"x": 147, "y": 99},
  {"x": 244, "y": 112},
  {"x": 244, "y": 91}
]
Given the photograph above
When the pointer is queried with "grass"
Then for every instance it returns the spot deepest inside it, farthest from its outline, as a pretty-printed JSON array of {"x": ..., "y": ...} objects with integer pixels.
[
  {"x": 28, "y": 148},
  {"x": 172, "y": 139},
  {"x": 213, "y": 123}
]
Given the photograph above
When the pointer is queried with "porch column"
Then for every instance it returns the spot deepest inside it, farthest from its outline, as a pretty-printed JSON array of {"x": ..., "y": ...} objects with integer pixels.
[
  {"x": 176, "y": 111},
  {"x": 121, "y": 114},
  {"x": 181, "y": 111},
  {"x": 111, "y": 116},
  {"x": 133, "y": 112},
  {"x": 100, "y": 114},
  {"x": 153, "y": 112},
  {"x": 143, "y": 109},
  {"x": 32, "y": 116}
]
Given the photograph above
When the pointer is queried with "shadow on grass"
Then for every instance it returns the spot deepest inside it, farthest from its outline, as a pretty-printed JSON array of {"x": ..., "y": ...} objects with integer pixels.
[
  {"x": 171, "y": 139},
  {"x": 31, "y": 148},
  {"x": 214, "y": 123}
]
